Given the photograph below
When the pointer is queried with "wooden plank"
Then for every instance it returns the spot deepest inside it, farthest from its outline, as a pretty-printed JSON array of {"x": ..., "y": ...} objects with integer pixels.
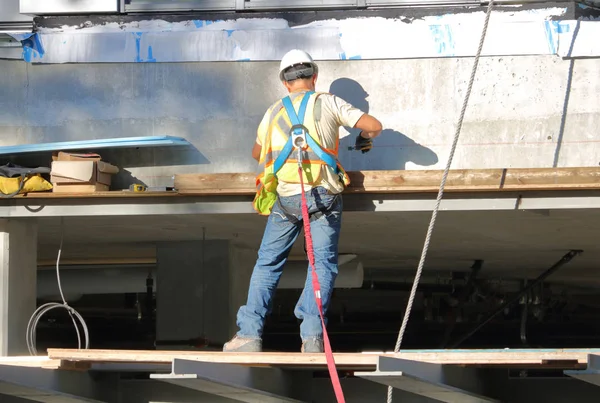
[
  {"x": 516, "y": 358},
  {"x": 31, "y": 362},
  {"x": 414, "y": 181},
  {"x": 94, "y": 195}
]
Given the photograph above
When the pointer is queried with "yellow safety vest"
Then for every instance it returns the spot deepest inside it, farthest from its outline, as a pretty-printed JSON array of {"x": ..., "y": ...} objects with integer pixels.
[{"x": 278, "y": 158}]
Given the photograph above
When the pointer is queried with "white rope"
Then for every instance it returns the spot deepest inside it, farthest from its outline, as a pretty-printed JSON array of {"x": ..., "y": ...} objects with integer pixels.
[{"x": 415, "y": 285}]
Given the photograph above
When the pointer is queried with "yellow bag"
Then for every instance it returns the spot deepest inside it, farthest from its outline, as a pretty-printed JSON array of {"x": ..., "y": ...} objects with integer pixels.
[
  {"x": 15, "y": 179},
  {"x": 266, "y": 194}
]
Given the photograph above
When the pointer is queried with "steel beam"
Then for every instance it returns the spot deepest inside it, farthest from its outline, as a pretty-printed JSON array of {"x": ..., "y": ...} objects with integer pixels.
[
  {"x": 130, "y": 206},
  {"x": 42, "y": 7},
  {"x": 47, "y": 385},
  {"x": 591, "y": 374},
  {"x": 237, "y": 382},
  {"x": 563, "y": 261},
  {"x": 444, "y": 383},
  {"x": 231, "y": 5}
]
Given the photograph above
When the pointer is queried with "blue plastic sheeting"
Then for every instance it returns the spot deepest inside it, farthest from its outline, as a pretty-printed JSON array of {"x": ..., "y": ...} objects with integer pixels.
[{"x": 124, "y": 142}]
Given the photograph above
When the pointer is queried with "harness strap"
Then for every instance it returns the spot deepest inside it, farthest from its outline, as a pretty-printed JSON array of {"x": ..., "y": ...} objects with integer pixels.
[
  {"x": 335, "y": 380},
  {"x": 296, "y": 120}
]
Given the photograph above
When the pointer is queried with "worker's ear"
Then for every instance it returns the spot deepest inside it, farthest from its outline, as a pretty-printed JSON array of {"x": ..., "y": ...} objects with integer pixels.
[{"x": 314, "y": 79}]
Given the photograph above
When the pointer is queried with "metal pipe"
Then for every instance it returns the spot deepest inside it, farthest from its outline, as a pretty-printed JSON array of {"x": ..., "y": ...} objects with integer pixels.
[{"x": 564, "y": 260}]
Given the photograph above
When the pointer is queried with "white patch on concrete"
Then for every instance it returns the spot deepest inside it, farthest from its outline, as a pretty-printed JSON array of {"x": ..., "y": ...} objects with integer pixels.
[{"x": 264, "y": 39}]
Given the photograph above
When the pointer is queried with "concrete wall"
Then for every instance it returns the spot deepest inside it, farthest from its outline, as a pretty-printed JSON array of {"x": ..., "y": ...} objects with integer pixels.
[{"x": 525, "y": 111}]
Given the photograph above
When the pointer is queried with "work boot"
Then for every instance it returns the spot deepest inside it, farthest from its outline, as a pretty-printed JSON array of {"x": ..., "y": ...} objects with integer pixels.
[
  {"x": 312, "y": 345},
  {"x": 243, "y": 345}
]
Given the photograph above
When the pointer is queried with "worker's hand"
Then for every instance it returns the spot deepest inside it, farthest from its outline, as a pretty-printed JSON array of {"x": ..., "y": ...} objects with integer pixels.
[{"x": 363, "y": 144}]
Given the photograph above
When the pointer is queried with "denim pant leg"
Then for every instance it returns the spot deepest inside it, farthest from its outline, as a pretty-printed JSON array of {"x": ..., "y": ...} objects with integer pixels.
[
  {"x": 279, "y": 236},
  {"x": 325, "y": 234}
]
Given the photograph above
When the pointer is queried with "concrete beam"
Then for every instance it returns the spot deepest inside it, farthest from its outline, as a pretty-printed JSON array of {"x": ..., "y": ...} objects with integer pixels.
[
  {"x": 591, "y": 374},
  {"x": 23, "y": 208},
  {"x": 50, "y": 386},
  {"x": 240, "y": 383},
  {"x": 444, "y": 383},
  {"x": 18, "y": 265}
]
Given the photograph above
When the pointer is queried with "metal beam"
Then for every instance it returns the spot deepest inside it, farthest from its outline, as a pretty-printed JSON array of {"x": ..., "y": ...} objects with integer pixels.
[
  {"x": 591, "y": 374},
  {"x": 47, "y": 385},
  {"x": 563, "y": 261},
  {"x": 444, "y": 383},
  {"x": 23, "y": 207},
  {"x": 41, "y": 7},
  {"x": 237, "y": 382},
  {"x": 231, "y": 5}
]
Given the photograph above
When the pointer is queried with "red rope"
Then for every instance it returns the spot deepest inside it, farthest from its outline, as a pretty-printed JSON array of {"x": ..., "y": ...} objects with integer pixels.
[{"x": 337, "y": 387}]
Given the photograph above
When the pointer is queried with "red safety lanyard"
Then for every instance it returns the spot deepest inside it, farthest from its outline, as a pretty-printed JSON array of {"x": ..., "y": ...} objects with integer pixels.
[{"x": 337, "y": 387}]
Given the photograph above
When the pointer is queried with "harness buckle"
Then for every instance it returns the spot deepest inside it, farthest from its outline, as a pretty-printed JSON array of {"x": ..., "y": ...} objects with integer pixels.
[{"x": 298, "y": 133}]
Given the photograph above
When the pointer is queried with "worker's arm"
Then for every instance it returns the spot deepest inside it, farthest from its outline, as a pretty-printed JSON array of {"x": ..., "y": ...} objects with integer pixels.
[
  {"x": 350, "y": 116},
  {"x": 261, "y": 133},
  {"x": 256, "y": 151},
  {"x": 369, "y": 126}
]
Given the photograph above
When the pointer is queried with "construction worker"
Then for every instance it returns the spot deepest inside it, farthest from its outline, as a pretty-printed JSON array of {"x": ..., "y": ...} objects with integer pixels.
[{"x": 321, "y": 115}]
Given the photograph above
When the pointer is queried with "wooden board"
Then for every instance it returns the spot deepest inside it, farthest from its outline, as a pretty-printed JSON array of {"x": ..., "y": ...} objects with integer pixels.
[
  {"x": 109, "y": 194},
  {"x": 414, "y": 181},
  {"x": 32, "y": 362},
  {"x": 568, "y": 358}
]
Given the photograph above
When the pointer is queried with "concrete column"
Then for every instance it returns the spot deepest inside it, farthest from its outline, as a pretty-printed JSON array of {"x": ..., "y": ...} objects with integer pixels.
[
  {"x": 192, "y": 291},
  {"x": 18, "y": 266}
]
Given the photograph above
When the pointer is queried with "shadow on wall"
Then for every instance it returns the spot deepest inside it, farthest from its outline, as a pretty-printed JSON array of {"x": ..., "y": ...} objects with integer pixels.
[{"x": 391, "y": 150}]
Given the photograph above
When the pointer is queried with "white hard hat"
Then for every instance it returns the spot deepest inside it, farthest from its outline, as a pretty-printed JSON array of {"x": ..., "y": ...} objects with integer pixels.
[{"x": 294, "y": 57}]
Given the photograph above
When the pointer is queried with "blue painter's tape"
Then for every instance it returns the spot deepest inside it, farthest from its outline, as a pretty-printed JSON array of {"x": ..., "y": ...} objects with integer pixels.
[
  {"x": 229, "y": 32},
  {"x": 442, "y": 38},
  {"x": 243, "y": 60},
  {"x": 357, "y": 57},
  {"x": 20, "y": 37},
  {"x": 138, "y": 50},
  {"x": 551, "y": 27},
  {"x": 150, "y": 58},
  {"x": 32, "y": 48},
  {"x": 563, "y": 27},
  {"x": 343, "y": 55},
  {"x": 198, "y": 23},
  {"x": 138, "y": 41}
]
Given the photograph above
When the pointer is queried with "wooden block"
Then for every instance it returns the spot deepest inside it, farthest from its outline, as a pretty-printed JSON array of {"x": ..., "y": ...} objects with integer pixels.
[{"x": 79, "y": 188}]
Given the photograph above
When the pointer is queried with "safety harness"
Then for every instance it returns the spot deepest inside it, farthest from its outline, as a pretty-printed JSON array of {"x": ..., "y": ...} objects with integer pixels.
[{"x": 299, "y": 139}]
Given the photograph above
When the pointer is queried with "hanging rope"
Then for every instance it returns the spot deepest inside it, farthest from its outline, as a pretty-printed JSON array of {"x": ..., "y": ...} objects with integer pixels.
[
  {"x": 335, "y": 380},
  {"x": 415, "y": 285}
]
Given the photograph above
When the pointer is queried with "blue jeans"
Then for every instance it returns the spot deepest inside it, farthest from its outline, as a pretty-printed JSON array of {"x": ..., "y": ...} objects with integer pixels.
[{"x": 279, "y": 237}]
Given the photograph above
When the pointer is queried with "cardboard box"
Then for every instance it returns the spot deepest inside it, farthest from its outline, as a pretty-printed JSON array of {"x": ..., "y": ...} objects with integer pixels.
[
  {"x": 97, "y": 175},
  {"x": 63, "y": 156}
]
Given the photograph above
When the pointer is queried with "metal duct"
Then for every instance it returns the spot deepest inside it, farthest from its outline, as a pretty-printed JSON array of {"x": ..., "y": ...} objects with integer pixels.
[{"x": 77, "y": 281}]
